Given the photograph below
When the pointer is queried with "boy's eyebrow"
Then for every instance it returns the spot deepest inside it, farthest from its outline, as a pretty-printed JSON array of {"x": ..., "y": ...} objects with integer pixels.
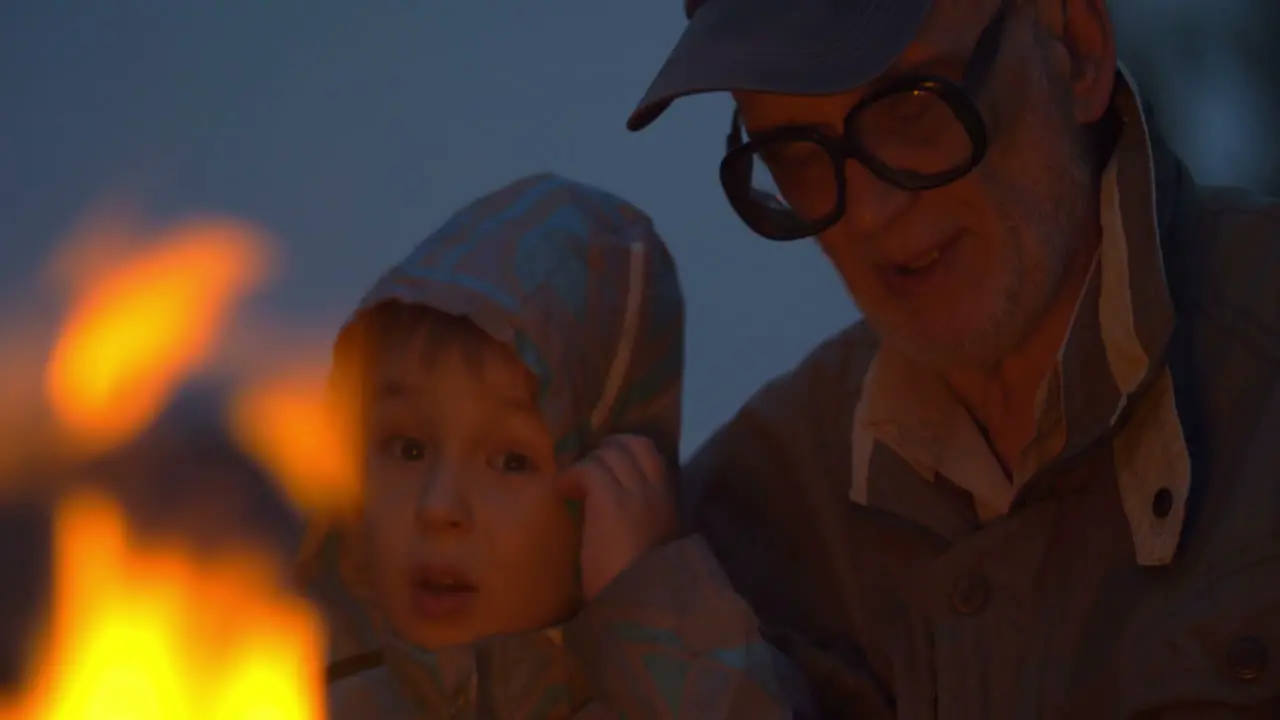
[
  {"x": 399, "y": 390},
  {"x": 521, "y": 407},
  {"x": 393, "y": 390}
]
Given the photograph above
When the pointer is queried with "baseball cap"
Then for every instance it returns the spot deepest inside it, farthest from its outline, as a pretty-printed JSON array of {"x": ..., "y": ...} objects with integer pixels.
[{"x": 796, "y": 47}]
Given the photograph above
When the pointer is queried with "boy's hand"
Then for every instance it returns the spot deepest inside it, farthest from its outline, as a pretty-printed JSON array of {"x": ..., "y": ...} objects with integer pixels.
[{"x": 628, "y": 506}]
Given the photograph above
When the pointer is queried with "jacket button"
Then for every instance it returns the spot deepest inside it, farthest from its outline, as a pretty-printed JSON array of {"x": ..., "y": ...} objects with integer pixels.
[
  {"x": 1247, "y": 658},
  {"x": 969, "y": 594},
  {"x": 1162, "y": 503}
]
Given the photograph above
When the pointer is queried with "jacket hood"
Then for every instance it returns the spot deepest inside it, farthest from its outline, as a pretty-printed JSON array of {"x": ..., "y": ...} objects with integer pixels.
[{"x": 578, "y": 283}]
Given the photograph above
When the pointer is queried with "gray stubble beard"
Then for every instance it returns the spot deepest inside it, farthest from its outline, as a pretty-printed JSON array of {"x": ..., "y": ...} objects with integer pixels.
[{"x": 1045, "y": 235}]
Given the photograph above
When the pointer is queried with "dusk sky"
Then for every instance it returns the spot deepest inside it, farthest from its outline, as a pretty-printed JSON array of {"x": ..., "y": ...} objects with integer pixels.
[{"x": 350, "y": 130}]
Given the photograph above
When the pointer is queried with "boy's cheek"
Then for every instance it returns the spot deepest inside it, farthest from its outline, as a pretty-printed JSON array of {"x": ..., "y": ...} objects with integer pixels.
[
  {"x": 385, "y": 531},
  {"x": 383, "y": 561},
  {"x": 387, "y": 492}
]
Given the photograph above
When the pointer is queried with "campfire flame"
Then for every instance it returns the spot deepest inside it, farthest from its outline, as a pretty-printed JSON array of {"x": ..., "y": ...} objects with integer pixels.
[
  {"x": 289, "y": 424},
  {"x": 141, "y": 629},
  {"x": 145, "y": 326},
  {"x": 152, "y": 633}
]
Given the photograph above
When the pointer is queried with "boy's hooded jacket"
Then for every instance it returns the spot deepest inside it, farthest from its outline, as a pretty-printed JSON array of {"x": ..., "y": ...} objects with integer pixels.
[{"x": 577, "y": 282}]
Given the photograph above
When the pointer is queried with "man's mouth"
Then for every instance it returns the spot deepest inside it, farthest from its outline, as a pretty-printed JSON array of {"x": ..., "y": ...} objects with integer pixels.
[{"x": 919, "y": 263}]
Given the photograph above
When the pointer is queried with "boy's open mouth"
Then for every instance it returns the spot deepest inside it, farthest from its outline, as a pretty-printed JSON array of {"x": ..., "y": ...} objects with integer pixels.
[{"x": 440, "y": 592}]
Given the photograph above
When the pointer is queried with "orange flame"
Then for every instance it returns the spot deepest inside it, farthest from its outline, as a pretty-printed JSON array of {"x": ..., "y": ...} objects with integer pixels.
[
  {"x": 138, "y": 630},
  {"x": 135, "y": 334},
  {"x": 291, "y": 426},
  {"x": 153, "y": 634}
]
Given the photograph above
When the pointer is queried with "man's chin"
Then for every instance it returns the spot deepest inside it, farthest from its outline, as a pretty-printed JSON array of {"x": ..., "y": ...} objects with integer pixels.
[{"x": 947, "y": 349}]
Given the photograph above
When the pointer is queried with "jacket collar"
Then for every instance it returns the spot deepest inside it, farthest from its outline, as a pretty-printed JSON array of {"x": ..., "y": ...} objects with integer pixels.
[{"x": 511, "y": 676}]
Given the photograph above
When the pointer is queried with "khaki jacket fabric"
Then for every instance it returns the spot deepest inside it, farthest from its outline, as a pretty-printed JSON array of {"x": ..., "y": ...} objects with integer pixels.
[{"x": 1130, "y": 568}]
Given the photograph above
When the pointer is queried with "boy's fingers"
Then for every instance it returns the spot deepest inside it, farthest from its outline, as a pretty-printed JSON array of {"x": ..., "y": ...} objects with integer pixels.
[
  {"x": 572, "y": 483},
  {"x": 618, "y": 456},
  {"x": 589, "y": 476},
  {"x": 650, "y": 460},
  {"x": 622, "y": 463},
  {"x": 643, "y": 460}
]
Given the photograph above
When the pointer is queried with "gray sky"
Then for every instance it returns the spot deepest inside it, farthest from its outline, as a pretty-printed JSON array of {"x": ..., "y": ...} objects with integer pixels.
[{"x": 350, "y": 132}]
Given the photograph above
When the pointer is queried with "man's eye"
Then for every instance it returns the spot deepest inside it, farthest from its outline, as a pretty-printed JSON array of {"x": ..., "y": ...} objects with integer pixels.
[
  {"x": 511, "y": 462},
  {"x": 405, "y": 449},
  {"x": 911, "y": 112},
  {"x": 792, "y": 155}
]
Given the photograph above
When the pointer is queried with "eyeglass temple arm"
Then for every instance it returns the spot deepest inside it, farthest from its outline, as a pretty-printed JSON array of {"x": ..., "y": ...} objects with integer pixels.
[{"x": 734, "y": 138}]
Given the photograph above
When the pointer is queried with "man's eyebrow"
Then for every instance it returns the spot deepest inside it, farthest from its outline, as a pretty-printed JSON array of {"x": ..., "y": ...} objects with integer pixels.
[{"x": 931, "y": 64}]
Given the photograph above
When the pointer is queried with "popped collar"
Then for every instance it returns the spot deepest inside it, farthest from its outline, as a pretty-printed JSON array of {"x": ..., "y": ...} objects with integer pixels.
[{"x": 1113, "y": 354}]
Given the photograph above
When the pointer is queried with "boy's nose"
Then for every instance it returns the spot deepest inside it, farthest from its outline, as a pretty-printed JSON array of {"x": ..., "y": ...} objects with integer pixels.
[{"x": 443, "y": 505}]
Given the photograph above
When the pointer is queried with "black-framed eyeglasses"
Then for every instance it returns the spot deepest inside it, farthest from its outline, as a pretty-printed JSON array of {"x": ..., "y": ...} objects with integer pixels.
[{"x": 916, "y": 132}]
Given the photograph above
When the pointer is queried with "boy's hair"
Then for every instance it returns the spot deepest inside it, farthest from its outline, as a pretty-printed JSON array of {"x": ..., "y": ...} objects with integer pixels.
[{"x": 377, "y": 331}]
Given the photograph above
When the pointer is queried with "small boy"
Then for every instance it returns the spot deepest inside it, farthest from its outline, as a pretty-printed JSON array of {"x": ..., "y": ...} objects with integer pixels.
[{"x": 517, "y": 383}]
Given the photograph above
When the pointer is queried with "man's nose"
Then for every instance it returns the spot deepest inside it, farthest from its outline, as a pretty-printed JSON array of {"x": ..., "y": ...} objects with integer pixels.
[
  {"x": 871, "y": 204},
  {"x": 443, "y": 503}
]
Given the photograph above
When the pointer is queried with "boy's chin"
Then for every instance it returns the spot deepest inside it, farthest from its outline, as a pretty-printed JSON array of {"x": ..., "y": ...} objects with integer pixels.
[
  {"x": 437, "y": 637},
  {"x": 435, "y": 619}
]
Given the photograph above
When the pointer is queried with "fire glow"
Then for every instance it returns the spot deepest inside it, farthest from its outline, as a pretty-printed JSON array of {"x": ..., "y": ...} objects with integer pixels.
[
  {"x": 287, "y": 422},
  {"x": 142, "y": 328},
  {"x": 151, "y": 633},
  {"x": 143, "y": 629}
]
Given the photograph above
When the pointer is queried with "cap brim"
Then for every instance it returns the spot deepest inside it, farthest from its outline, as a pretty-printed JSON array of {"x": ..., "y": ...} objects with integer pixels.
[{"x": 794, "y": 47}]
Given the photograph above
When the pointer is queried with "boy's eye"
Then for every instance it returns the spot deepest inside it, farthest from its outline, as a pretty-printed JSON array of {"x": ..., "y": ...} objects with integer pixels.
[
  {"x": 511, "y": 462},
  {"x": 406, "y": 449}
]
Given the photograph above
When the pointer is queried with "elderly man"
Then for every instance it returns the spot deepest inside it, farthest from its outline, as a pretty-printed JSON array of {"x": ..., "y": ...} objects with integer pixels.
[{"x": 1042, "y": 479}]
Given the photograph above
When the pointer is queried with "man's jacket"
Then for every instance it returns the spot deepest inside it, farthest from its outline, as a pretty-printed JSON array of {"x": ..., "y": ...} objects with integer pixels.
[{"x": 1132, "y": 567}]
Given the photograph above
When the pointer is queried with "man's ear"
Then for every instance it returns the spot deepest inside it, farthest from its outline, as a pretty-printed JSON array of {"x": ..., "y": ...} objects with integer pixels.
[{"x": 1088, "y": 37}]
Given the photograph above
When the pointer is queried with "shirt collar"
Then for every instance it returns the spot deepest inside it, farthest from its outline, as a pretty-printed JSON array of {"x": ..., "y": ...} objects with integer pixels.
[{"x": 1113, "y": 354}]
